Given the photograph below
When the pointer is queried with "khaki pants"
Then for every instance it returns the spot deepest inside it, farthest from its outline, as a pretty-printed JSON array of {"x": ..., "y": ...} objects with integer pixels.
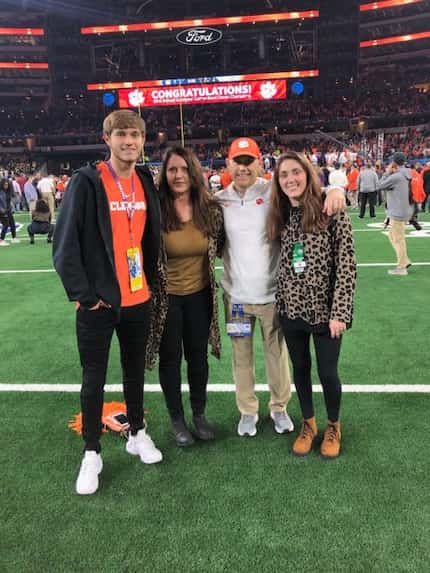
[
  {"x": 49, "y": 198},
  {"x": 31, "y": 207},
  {"x": 398, "y": 240},
  {"x": 275, "y": 357},
  {"x": 352, "y": 196}
]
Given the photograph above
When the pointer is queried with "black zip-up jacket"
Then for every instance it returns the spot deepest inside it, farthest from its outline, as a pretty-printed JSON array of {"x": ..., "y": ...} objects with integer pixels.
[{"x": 83, "y": 244}]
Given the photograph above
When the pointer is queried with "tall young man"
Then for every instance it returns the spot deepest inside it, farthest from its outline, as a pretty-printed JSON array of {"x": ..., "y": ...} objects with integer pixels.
[
  {"x": 106, "y": 247},
  {"x": 249, "y": 283}
]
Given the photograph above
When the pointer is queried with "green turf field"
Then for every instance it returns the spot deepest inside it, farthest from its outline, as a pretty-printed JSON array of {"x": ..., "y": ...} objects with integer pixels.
[{"x": 237, "y": 504}]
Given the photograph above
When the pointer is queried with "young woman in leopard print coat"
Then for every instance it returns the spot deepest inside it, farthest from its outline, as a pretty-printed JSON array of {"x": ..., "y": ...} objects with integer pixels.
[{"x": 315, "y": 288}]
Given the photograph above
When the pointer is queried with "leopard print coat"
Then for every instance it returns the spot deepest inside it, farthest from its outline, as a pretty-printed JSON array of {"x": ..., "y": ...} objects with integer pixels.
[
  {"x": 160, "y": 296},
  {"x": 325, "y": 290}
]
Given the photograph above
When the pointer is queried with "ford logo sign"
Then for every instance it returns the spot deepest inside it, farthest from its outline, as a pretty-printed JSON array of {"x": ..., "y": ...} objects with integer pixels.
[{"x": 199, "y": 36}]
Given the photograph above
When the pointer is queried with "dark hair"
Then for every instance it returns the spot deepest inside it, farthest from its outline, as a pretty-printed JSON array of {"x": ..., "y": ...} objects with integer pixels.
[
  {"x": 202, "y": 201},
  {"x": 311, "y": 202},
  {"x": 8, "y": 185},
  {"x": 42, "y": 206}
]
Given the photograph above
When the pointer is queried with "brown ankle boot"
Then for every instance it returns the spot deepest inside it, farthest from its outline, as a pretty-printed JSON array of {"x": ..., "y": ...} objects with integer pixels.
[
  {"x": 303, "y": 444},
  {"x": 330, "y": 446}
]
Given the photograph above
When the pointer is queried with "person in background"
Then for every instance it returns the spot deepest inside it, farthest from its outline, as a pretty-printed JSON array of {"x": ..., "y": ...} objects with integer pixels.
[
  {"x": 417, "y": 193},
  {"x": 16, "y": 197},
  {"x": 30, "y": 193},
  {"x": 367, "y": 185},
  {"x": 352, "y": 193},
  {"x": 60, "y": 189},
  {"x": 4, "y": 219},
  {"x": 106, "y": 250},
  {"x": 8, "y": 220},
  {"x": 46, "y": 188},
  {"x": 426, "y": 183},
  {"x": 337, "y": 177},
  {"x": 41, "y": 222},
  {"x": 192, "y": 235},
  {"x": 314, "y": 292},
  {"x": 21, "y": 179},
  {"x": 396, "y": 182}
]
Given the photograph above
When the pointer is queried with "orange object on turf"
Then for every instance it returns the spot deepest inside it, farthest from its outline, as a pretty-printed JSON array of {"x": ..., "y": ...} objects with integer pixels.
[{"x": 109, "y": 410}]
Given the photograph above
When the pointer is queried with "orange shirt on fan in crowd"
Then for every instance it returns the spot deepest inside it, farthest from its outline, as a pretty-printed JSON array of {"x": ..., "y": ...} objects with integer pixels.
[
  {"x": 121, "y": 231},
  {"x": 352, "y": 177}
]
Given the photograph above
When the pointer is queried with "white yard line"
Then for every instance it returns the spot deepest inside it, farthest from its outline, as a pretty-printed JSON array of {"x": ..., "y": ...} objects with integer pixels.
[
  {"x": 14, "y": 272},
  {"x": 350, "y": 388}
]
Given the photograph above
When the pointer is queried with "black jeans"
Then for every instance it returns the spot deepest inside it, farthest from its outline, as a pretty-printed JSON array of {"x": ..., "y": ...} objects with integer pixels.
[
  {"x": 94, "y": 330},
  {"x": 327, "y": 349},
  {"x": 371, "y": 198},
  {"x": 38, "y": 228},
  {"x": 8, "y": 221},
  {"x": 187, "y": 328}
]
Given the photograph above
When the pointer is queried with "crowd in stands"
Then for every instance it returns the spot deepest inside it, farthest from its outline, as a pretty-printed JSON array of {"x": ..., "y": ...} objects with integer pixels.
[{"x": 294, "y": 115}]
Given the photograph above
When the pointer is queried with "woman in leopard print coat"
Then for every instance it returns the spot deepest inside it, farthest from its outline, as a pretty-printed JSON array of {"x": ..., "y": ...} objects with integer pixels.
[
  {"x": 315, "y": 288},
  {"x": 187, "y": 308}
]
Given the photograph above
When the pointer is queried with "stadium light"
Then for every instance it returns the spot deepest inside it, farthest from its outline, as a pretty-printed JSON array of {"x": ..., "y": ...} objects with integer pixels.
[
  {"x": 395, "y": 39},
  {"x": 23, "y": 65},
  {"x": 22, "y": 32},
  {"x": 259, "y": 18},
  {"x": 386, "y": 4}
]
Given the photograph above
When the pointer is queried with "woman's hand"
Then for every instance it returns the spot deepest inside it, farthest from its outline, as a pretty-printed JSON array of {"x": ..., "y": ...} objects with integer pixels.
[
  {"x": 334, "y": 201},
  {"x": 337, "y": 328}
]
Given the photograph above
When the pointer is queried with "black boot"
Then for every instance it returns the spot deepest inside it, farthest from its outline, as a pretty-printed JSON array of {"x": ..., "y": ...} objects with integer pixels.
[
  {"x": 203, "y": 430},
  {"x": 181, "y": 433}
]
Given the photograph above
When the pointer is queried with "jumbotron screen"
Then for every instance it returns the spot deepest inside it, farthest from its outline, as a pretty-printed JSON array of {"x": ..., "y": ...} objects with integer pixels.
[{"x": 266, "y": 90}]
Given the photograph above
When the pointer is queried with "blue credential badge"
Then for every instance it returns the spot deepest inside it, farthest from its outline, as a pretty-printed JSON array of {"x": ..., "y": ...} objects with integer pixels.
[{"x": 240, "y": 325}]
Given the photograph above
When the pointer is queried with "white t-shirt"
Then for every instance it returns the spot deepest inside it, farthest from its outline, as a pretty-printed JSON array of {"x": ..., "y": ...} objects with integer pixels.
[{"x": 45, "y": 185}]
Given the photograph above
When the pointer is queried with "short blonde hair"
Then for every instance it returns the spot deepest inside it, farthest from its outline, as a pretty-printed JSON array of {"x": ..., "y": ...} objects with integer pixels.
[{"x": 123, "y": 119}]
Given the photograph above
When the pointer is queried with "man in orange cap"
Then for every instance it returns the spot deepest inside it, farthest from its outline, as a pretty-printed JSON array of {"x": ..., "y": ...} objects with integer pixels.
[{"x": 249, "y": 283}]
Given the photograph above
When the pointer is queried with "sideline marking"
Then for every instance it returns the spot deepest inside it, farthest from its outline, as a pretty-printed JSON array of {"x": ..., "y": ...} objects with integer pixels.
[
  {"x": 27, "y": 271},
  {"x": 351, "y": 388}
]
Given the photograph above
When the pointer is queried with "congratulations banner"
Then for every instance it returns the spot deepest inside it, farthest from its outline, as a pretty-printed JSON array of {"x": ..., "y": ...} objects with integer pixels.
[{"x": 208, "y": 93}]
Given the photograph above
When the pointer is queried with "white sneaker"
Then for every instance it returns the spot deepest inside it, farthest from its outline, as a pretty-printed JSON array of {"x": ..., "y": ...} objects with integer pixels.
[
  {"x": 247, "y": 425},
  {"x": 15, "y": 240},
  {"x": 282, "y": 422},
  {"x": 88, "y": 478},
  {"x": 142, "y": 445},
  {"x": 4, "y": 243}
]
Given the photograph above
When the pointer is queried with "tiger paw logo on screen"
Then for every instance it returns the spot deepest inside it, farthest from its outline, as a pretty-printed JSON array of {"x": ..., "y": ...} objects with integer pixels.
[
  {"x": 136, "y": 98},
  {"x": 268, "y": 90}
]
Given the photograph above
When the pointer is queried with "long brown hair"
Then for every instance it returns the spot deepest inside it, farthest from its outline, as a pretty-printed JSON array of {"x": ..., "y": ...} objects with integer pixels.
[
  {"x": 311, "y": 201},
  {"x": 202, "y": 201}
]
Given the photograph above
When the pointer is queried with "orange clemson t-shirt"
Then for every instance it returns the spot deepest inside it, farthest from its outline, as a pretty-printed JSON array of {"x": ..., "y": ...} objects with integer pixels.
[{"x": 123, "y": 230}]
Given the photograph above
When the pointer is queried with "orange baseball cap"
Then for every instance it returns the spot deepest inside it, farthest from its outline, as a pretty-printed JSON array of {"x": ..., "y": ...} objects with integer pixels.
[{"x": 244, "y": 146}]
